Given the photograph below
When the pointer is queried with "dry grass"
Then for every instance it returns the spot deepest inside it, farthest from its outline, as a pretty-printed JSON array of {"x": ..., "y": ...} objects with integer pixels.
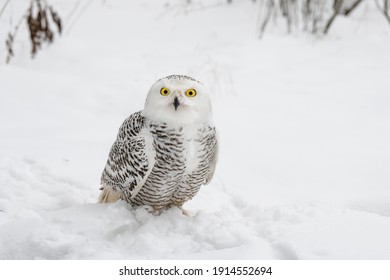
[{"x": 42, "y": 23}]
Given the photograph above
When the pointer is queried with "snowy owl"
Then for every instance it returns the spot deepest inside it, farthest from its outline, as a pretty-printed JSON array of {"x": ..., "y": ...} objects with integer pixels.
[{"x": 166, "y": 152}]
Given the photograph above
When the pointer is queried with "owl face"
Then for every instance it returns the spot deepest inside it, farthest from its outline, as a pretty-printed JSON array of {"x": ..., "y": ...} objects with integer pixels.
[{"x": 179, "y": 100}]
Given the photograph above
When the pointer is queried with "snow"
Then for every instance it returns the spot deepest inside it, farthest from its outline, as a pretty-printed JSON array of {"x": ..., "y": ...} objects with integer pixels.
[{"x": 303, "y": 121}]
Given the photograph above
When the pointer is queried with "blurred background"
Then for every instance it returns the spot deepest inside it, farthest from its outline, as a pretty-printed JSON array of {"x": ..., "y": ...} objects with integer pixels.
[{"x": 301, "y": 98}]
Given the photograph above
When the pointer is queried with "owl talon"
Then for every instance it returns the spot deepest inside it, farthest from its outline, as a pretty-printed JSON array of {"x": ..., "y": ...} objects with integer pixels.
[
  {"x": 155, "y": 211},
  {"x": 184, "y": 212}
]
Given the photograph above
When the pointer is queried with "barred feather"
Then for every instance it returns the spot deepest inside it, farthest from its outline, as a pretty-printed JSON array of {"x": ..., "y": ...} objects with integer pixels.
[{"x": 159, "y": 164}]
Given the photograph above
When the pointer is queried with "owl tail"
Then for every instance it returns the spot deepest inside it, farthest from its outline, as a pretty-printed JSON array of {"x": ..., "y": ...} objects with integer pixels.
[{"x": 108, "y": 195}]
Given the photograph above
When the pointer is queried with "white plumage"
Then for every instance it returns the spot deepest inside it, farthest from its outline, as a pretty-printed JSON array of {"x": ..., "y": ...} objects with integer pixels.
[{"x": 166, "y": 152}]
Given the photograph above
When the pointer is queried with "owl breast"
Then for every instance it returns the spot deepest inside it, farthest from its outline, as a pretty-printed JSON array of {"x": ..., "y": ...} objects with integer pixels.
[{"x": 183, "y": 158}]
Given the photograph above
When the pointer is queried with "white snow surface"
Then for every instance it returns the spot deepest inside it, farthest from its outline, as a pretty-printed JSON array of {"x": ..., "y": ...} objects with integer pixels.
[{"x": 304, "y": 124}]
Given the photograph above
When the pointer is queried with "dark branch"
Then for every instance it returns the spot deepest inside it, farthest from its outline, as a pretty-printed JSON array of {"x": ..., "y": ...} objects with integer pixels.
[
  {"x": 353, "y": 7},
  {"x": 336, "y": 11},
  {"x": 385, "y": 9}
]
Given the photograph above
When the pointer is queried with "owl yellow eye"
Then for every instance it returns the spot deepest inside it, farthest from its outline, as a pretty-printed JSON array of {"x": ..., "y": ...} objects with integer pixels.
[
  {"x": 191, "y": 92},
  {"x": 164, "y": 91}
]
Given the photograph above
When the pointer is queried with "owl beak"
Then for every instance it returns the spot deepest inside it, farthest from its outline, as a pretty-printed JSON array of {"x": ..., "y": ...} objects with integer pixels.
[{"x": 176, "y": 103}]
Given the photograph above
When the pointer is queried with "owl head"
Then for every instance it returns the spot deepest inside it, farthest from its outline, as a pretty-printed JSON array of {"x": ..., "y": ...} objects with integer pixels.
[{"x": 178, "y": 99}]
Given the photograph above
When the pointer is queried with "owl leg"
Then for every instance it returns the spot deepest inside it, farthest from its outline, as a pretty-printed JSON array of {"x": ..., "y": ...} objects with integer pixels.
[
  {"x": 180, "y": 206},
  {"x": 154, "y": 210},
  {"x": 108, "y": 195}
]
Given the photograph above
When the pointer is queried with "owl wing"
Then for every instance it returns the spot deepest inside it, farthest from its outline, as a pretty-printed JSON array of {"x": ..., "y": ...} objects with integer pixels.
[
  {"x": 214, "y": 156},
  {"x": 130, "y": 161}
]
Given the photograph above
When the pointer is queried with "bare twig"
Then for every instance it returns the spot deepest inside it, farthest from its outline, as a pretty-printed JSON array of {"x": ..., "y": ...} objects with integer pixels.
[
  {"x": 10, "y": 39},
  {"x": 39, "y": 17},
  {"x": 9, "y": 43},
  {"x": 312, "y": 15},
  {"x": 336, "y": 10},
  {"x": 315, "y": 15},
  {"x": 270, "y": 7},
  {"x": 4, "y": 6},
  {"x": 385, "y": 9},
  {"x": 353, "y": 7},
  {"x": 78, "y": 16},
  {"x": 285, "y": 8}
]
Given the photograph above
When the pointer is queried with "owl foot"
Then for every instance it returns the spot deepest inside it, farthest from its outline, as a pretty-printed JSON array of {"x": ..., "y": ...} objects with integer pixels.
[
  {"x": 108, "y": 195},
  {"x": 157, "y": 210},
  {"x": 184, "y": 212}
]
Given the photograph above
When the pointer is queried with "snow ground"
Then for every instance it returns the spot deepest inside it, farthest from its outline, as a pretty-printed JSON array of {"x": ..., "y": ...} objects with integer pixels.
[{"x": 304, "y": 125}]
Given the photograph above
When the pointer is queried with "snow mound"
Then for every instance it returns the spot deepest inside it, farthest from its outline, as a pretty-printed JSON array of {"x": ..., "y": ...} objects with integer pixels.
[{"x": 39, "y": 220}]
